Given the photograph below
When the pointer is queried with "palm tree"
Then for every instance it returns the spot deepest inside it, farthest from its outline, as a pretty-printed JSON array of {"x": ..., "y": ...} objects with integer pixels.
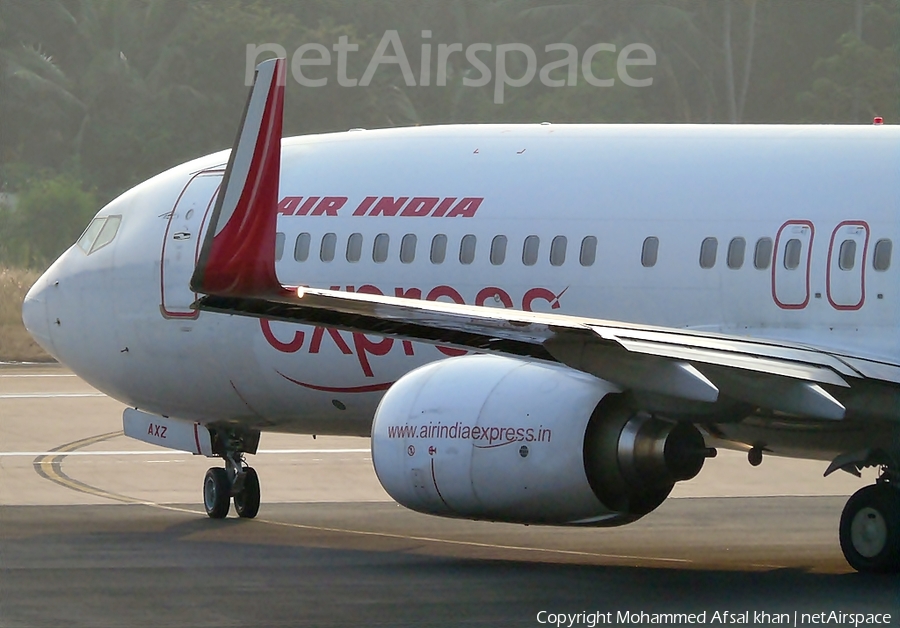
[{"x": 36, "y": 98}]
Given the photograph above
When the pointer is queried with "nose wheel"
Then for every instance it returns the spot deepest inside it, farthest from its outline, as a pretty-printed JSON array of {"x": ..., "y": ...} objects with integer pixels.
[
  {"x": 246, "y": 499},
  {"x": 870, "y": 529},
  {"x": 235, "y": 481},
  {"x": 216, "y": 493}
]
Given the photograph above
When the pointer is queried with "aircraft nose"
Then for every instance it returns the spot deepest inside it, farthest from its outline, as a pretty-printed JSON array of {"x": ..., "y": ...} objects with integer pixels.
[{"x": 34, "y": 314}]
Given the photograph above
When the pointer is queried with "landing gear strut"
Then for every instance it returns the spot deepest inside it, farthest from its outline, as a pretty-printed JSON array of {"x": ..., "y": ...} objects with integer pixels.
[
  {"x": 870, "y": 525},
  {"x": 236, "y": 480}
]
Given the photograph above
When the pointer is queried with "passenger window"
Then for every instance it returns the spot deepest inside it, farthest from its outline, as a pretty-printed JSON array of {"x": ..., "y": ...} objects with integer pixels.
[
  {"x": 86, "y": 241},
  {"x": 588, "y": 251},
  {"x": 380, "y": 249},
  {"x": 762, "y": 255},
  {"x": 326, "y": 251},
  {"x": 107, "y": 233},
  {"x": 792, "y": 251},
  {"x": 708, "y": 250},
  {"x": 301, "y": 247},
  {"x": 649, "y": 252},
  {"x": 882, "y": 258},
  {"x": 558, "y": 251},
  {"x": 498, "y": 250},
  {"x": 354, "y": 247},
  {"x": 408, "y": 248},
  {"x": 438, "y": 248},
  {"x": 467, "y": 249},
  {"x": 736, "y": 249},
  {"x": 530, "y": 250},
  {"x": 279, "y": 246},
  {"x": 847, "y": 255}
]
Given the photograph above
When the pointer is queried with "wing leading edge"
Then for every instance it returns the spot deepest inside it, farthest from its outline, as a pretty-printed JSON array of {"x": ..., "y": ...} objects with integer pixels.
[{"x": 236, "y": 273}]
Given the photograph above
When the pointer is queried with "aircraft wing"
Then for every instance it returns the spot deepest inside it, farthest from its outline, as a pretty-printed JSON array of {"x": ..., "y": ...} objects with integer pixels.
[
  {"x": 683, "y": 364},
  {"x": 236, "y": 273}
]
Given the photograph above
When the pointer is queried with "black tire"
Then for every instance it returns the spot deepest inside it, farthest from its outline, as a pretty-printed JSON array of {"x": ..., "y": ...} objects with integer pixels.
[
  {"x": 755, "y": 457},
  {"x": 216, "y": 493},
  {"x": 870, "y": 529},
  {"x": 246, "y": 502}
]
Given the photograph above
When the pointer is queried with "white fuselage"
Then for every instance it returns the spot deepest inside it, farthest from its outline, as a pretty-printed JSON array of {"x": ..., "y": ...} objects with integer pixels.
[{"x": 121, "y": 316}]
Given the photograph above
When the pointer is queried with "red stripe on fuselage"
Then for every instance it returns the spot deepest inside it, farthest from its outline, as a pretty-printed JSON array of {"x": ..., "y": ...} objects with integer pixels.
[{"x": 340, "y": 389}]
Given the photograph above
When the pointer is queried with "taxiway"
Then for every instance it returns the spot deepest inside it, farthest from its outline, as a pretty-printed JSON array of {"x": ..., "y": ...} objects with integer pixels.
[{"x": 100, "y": 530}]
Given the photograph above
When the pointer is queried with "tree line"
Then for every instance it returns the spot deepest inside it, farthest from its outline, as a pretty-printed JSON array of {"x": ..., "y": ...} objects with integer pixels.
[{"x": 98, "y": 95}]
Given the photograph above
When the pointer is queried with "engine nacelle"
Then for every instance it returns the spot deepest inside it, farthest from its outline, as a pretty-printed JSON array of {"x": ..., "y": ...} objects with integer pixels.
[{"x": 500, "y": 439}]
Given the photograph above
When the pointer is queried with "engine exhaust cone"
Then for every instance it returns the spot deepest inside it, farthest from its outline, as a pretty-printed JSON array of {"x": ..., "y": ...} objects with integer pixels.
[{"x": 684, "y": 452}]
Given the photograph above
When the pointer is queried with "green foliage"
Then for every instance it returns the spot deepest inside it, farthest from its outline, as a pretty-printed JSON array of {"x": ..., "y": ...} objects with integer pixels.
[
  {"x": 46, "y": 220},
  {"x": 35, "y": 97},
  {"x": 851, "y": 85},
  {"x": 102, "y": 94}
]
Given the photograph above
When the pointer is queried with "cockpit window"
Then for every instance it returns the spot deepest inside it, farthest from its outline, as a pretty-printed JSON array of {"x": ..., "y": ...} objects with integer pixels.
[
  {"x": 107, "y": 233},
  {"x": 90, "y": 234},
  {"x": 99, "y": 233}
]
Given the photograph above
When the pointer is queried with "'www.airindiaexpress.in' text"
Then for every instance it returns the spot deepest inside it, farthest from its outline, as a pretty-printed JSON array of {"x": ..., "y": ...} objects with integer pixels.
[{"x": 492, "y": 436}]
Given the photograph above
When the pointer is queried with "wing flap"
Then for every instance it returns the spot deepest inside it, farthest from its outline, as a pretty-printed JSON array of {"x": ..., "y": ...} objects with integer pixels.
[
  {"x": 719, "y": 343},
  {"x": 637, "y": 372},
  {"x": 794, "y": 368},
  {"x": 873, "y": 369},
  {"x": 775, "y": 392}
]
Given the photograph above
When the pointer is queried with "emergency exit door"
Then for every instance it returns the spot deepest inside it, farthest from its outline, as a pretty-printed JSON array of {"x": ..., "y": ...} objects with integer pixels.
[
  {"x": 846, "y": 278},
  {"x": 790, "y": 266}
]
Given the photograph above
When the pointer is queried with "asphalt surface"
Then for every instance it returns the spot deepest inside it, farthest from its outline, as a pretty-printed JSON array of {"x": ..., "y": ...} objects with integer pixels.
[{"x": 99, "y": 530}]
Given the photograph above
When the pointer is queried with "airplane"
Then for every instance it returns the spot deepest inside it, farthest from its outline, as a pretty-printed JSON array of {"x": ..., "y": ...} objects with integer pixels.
[{"x": 538, "y": 323}]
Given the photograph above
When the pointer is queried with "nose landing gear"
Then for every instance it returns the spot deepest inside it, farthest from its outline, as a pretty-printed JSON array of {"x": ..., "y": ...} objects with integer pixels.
[
  {"x": 236, "y": 480},
  {"x": 870, "y": 526}
]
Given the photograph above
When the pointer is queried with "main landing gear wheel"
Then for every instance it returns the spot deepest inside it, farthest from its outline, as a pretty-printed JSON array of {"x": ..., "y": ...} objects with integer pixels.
[
  {"x": 246, "y": 497},
  {"x": 216, "y": 493},
  {"x": 870, "y": 529}
]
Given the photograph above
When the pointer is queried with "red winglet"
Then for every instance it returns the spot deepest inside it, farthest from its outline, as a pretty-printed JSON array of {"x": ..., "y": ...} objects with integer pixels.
[{"x": 238, "y": 254}]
